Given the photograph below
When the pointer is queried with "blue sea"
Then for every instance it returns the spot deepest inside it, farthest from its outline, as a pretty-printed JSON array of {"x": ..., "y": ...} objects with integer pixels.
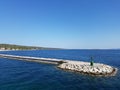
[{"x": 23, "y": 75}]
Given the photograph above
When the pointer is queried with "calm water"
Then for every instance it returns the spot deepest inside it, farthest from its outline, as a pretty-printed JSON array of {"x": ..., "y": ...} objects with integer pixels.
[{"x": 22, "y": 75}]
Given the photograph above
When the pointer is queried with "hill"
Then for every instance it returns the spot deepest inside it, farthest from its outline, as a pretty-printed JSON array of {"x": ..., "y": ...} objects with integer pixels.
[{"x": 21, "y": 47}]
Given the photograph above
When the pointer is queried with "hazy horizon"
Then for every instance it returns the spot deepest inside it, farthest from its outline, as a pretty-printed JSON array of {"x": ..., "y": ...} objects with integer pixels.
[{"x": 69, "y": 24}]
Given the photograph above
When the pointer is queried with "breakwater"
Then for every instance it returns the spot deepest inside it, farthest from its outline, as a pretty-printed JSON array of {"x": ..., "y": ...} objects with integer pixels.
[
  {"x": 97, "y": 69},
  {"x": 32, "y": 59}
]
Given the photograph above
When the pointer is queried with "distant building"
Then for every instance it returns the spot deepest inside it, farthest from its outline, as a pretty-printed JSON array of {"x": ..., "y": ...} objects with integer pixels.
[{"x": 2, "y": 48}]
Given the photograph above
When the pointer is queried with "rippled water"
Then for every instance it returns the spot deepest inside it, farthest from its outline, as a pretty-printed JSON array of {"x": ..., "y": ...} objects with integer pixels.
[{"x": 22, "y": 75}]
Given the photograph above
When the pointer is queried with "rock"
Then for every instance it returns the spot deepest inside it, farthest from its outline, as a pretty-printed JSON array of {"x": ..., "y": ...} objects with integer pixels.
[{"x": 84, "y": 67}]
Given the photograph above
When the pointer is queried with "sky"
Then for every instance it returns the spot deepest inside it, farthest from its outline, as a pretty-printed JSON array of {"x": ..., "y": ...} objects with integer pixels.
[{"x": 70, "y": 24}]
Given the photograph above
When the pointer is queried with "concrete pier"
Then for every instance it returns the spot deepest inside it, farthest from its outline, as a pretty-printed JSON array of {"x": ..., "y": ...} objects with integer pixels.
[
  {"x": 32, "y": 59},
  {"x": 97, "y": 69}
]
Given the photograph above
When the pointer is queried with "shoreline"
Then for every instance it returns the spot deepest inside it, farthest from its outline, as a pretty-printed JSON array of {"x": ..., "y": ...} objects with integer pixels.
[{"x": 19, "y": 50}]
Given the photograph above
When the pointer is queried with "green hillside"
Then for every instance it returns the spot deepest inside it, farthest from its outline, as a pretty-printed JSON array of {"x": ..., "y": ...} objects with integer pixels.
[{"x": 21, "y": 47}]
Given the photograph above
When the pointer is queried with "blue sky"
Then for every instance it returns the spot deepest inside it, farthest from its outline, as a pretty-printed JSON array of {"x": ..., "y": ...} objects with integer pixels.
[{"x": 75, "y": 24}]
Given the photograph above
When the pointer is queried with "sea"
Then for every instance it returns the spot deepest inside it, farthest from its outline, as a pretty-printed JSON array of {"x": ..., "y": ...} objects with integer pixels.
[{"x": 23, "y": 75}]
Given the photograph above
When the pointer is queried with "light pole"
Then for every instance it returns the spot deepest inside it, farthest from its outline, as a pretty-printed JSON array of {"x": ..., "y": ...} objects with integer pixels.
[{"x": 91, "y": 62}]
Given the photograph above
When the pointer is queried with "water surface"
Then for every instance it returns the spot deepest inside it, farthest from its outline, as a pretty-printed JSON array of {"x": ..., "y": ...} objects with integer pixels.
[{"x": 22, "y": 75}]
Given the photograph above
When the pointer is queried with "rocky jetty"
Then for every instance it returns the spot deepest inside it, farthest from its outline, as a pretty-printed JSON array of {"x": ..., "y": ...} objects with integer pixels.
[
  {"x": 77, "y": 66},
  {"x": 85, "y": 67}
]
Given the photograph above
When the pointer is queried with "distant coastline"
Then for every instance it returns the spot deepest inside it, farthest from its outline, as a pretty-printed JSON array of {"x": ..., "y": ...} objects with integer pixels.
[{"x": 12, "y": 47}]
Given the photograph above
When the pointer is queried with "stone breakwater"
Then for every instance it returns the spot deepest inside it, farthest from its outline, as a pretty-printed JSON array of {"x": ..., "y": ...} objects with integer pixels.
[
  {"x": 78, "y": 66},
  {"x": 84, "y": 67}
]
